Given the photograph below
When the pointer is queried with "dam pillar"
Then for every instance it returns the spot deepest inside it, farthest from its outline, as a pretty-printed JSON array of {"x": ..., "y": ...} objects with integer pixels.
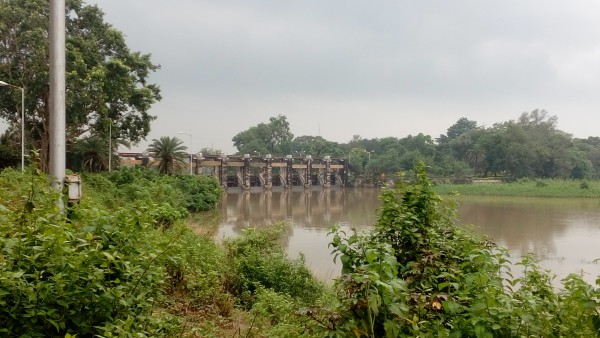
[
  {"x": 268, "y": 172},
  {"x": 308, "y": 173}
]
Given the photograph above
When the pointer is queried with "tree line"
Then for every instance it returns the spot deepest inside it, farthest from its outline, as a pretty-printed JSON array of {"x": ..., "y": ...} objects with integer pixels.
[{"x": 530, "y": 146}]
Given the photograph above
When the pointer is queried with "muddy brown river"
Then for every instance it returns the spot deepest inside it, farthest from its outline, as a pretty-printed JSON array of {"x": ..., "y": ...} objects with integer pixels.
[{"x": 563, "y": 233}]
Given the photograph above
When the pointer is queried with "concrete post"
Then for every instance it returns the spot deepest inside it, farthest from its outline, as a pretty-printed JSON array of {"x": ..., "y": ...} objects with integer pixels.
[
  {"x": 246, "y": 172},
  {"x": 268, "y": 172},
  {"x": 288, "y": 171},
  {"x": 327, "y": 178},
  {"x": 308, "y": 181},
  {"x": 56, "y": 36}
]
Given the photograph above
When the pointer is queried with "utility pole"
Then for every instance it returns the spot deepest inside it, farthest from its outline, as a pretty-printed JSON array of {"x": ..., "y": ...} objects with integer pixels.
[
  {"x": 191, "y": 154},
  {"x": 110, "y": 145},
  {"x": 57, "y": 123}
]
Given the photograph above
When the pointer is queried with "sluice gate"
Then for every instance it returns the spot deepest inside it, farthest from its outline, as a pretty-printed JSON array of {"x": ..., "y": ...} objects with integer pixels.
[{"x": 265, "y": 171}]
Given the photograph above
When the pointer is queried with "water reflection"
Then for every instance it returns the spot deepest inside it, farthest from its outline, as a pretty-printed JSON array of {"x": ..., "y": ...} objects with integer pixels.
[
  {"x": 311, "y": 212},
  {"x": 562, "y": 232},
  {"x": 319, "y": 209}
]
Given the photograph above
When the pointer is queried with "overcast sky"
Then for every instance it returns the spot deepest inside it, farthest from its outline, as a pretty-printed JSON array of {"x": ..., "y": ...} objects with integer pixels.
[{"x": 337, "y": 68}]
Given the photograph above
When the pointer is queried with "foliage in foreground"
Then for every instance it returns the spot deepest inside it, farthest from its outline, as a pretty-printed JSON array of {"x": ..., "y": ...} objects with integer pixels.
[
  {"x": 117, "y": 266},
  {"x": 258, "y": 262},
  {"x": 416, "y": 274},
  {"x": 142, "y": 187},
  {"x": 112, "y": 269},
  {"x": 92, "y": 273}
]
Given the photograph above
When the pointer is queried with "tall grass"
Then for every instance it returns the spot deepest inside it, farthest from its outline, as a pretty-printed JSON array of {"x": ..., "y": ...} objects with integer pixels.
[{"x": 526, "y": 188}]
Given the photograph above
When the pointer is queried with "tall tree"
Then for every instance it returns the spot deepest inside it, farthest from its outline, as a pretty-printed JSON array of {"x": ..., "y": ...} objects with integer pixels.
[
  {"x": 95, "y": 153},
  {"x": 10, "y": 148},
  {"x": 463, "y": 125},
  {"x": 316, "y": 146},
  {"x": 105, "y": 80},
  {"x": 357, "y": 160},
  {"x": 274, "y": 137},
  {"x": 91, "y": 154},
  {"x": 169, "y": 153}
]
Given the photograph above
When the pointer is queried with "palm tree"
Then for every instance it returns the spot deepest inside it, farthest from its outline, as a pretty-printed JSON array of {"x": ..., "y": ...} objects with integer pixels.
[
  {"x": 169, "y": 152},
  {"x": 92, "y": 153}
]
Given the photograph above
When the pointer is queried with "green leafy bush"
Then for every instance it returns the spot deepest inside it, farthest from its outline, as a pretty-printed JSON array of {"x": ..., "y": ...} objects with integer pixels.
[
  {"x": 276, "y": 315},
  {"x": 195, "y": 273},
  {"x": 165, "y": 215},
  {"x": 134, "y": 184},
  {"x": 89, "y": 275},
  {"x": 416, "y": 274},
  {"x": 121, "y": 263},
  {"x": 258, "y": 261},
  {"x": 128, "y": 175}
]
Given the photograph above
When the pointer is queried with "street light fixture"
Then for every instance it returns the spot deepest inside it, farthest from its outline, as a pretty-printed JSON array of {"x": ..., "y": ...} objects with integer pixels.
[
  {"x": 2, "y": 83},
  {"x": 372, "y": 151},
  {"x": 191, "y": 154},
  {"x": 258, "y": 152}
]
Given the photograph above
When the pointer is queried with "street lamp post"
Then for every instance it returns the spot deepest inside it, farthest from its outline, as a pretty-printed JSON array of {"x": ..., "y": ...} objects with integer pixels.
[
  {"x": 191, "y": 154},
  {"x": 109, "y": 145},
  {"x": 2, "y": 83},
  {"x": 369, "y": 162}
]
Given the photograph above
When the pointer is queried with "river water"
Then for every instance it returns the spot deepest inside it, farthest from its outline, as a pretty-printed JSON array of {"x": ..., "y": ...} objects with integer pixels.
[{"x": 563, "y": 233}]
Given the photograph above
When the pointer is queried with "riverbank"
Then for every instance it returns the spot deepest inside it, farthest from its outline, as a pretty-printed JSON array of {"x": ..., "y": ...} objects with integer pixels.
[
  {"x": 526, "y": 188},
  {"x": 128, "y": 262}
]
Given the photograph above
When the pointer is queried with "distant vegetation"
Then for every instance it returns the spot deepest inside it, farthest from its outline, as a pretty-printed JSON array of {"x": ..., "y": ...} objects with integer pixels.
[
  {"x": 530, "y": 146},
  {"x": 527, "y": 187}
]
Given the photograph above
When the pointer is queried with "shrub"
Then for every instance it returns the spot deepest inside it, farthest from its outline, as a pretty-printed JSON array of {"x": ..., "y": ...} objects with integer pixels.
[
  {"x": 128, "y": 175},
  {"x": 258, "y": 261},
  {"x": 90, "y": 275},
  {"x": 202, "y": 192},
  {"x": 194, "y": 272},
  {"x": 165, "y": 215},
  {"x": 416, "y": 274},
  {"x": 134, "y": 184},
  {"x": 276, "y": 315}
]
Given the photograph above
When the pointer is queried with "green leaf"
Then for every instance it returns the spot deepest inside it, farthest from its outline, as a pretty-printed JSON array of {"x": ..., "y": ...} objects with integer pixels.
[
  {"x": 452, "y": 307},
  {"x": 371, "y": 255},
  {"x": 392, "y": 328}
]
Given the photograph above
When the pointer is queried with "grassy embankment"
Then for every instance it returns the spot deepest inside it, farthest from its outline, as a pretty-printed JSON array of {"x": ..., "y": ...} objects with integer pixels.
[{"x": 526, "y": 188}]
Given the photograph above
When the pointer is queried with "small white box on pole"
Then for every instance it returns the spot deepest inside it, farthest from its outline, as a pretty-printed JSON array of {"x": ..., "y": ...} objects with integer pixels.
[{"x": 73, "y": 183}]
